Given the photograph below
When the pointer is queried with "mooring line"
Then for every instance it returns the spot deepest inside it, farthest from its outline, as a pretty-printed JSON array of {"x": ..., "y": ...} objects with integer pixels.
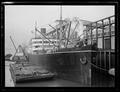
[{"x": 99, "y": 67}]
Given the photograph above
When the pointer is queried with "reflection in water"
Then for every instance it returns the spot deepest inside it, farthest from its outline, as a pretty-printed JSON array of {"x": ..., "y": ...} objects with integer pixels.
[{"x": 49, "y": 83}]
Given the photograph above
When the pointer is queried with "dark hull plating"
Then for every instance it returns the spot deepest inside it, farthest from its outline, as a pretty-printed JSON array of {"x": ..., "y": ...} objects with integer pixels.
[{"x": 67, "y": 65}]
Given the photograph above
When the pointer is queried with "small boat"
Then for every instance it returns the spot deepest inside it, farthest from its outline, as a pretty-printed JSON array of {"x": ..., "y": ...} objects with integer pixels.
[{"x": 26, "y": 72}]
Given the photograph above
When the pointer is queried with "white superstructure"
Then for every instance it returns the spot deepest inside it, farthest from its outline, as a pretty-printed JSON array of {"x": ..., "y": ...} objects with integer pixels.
[{"x": 40, "y": 44}]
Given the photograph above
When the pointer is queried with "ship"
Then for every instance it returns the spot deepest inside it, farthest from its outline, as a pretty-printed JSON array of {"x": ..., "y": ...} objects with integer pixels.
[
  {"x": 79, "y": 59},
  {"x": 74, "y": 56}
]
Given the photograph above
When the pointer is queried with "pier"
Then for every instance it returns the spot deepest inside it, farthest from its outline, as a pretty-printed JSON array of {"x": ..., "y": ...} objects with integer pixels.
[{"x": 8, "y": 77}]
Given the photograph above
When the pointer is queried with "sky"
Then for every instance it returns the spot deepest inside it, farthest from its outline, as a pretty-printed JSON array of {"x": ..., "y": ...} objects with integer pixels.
[{"x": 20, "y": 19}]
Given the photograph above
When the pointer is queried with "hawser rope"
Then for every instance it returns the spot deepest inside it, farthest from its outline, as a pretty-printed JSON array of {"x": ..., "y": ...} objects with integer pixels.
[
  {"x": 99, "y": 67},
  {"x": 86, "y": 60},
  {"x": 110, "y": 71}
]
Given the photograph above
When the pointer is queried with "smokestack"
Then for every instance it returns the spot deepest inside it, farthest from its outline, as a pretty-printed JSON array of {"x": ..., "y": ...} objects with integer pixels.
[{"x": 43, "y": 30}]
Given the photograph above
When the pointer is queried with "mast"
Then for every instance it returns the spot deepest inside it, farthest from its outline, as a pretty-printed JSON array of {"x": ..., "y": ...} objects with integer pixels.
[
  {"x": 35, "y": 28},
  {"x": 61, "y": 14}
]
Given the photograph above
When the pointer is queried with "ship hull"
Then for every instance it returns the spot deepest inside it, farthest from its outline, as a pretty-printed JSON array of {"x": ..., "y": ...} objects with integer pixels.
[{"x": 71, "y": 65}]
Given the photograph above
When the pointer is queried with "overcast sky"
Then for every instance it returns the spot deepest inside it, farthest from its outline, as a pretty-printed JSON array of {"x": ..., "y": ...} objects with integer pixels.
[{"x": 20, "y": 19}]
